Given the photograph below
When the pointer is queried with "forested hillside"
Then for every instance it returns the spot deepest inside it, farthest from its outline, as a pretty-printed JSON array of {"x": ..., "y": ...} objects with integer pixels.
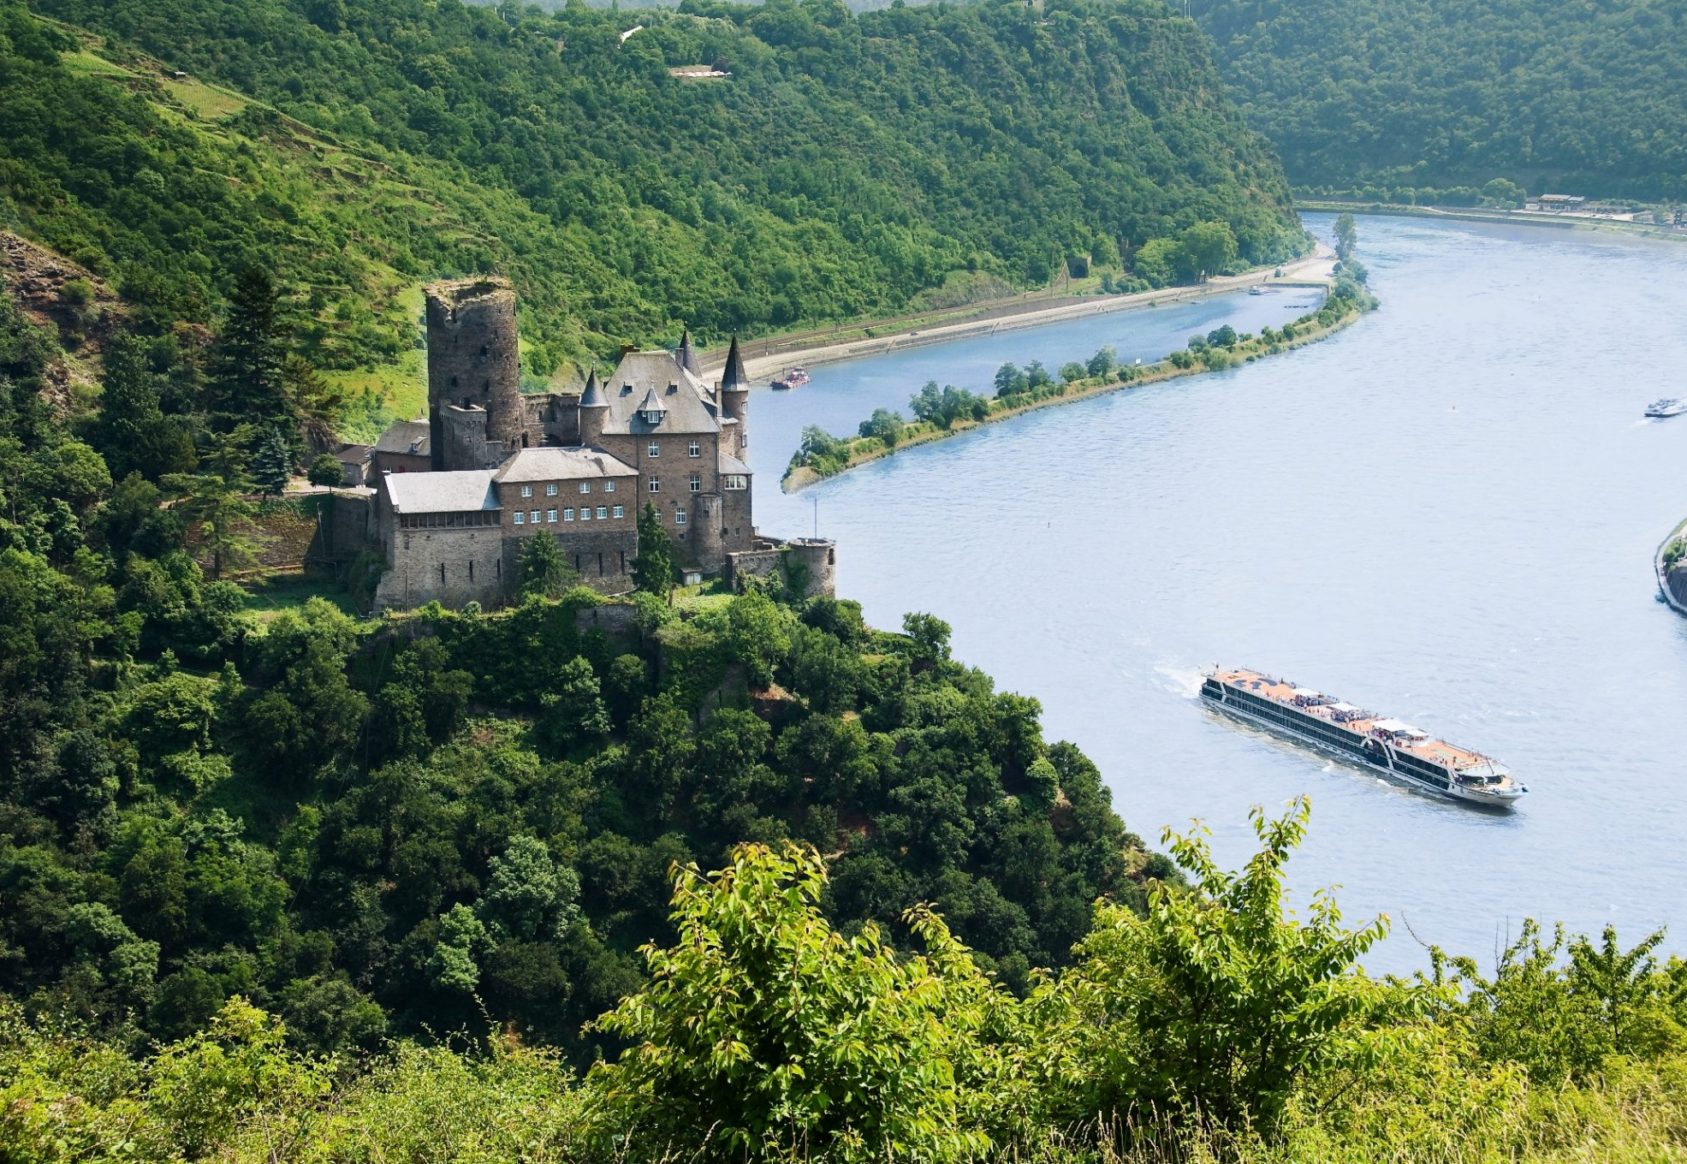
[
  {"x": 1385, "y": 98},
  {"x": 849, "y": 163}
]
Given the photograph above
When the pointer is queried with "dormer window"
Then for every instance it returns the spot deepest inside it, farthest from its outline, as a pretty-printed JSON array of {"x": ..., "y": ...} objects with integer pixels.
[{"x": 652, "y": 415}]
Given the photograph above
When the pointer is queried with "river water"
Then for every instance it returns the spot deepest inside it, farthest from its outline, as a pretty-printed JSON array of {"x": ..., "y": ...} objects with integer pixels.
[{"x": 1446, "y": 513}]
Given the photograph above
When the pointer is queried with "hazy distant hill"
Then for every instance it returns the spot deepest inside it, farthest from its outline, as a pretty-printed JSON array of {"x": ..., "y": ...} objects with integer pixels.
[
  {"x": 849, "y": 163},
  {"x": 1585, "y": 94}
]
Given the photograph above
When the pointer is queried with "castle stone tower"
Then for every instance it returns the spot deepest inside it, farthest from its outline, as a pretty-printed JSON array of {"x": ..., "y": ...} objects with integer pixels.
[
  {"x": 594, "y": 410},
  {"x": 735, "y": 397},
  {"x": 473, "y": 360},
  {"x": 818, "y": 558}
]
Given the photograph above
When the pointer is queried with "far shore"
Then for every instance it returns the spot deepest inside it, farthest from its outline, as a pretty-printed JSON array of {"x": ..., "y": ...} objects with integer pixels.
[
  {"x": 1559, "y": 221},
  {"x": 1316, "y": 270},
  {"x": 799, "y": 477}
]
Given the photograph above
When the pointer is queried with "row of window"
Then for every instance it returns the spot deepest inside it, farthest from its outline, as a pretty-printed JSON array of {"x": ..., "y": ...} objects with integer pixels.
[
  {"x": 448, "y": 520},
  {"x": 694, "y": 449},
  {"x": 694, "y": 484},
  {"x": 532, "y": 517},
  {"x": 551, "y": 488}
]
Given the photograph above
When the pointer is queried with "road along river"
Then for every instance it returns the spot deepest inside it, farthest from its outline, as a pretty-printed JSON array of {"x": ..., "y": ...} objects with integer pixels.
[{"x": 1445, "y": 513}]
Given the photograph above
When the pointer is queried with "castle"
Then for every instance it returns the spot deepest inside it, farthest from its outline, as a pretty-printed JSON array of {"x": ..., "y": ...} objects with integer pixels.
[{"x": 503, "y": 465}]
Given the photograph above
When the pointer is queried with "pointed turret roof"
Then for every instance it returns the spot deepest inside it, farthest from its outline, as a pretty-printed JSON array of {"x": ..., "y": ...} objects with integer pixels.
[
  {"x": 733, "y": 376},
  {"x": 686, "y": 356},
  {"x": 652, "y": 403},
  {"x": 592, "y": 396}
]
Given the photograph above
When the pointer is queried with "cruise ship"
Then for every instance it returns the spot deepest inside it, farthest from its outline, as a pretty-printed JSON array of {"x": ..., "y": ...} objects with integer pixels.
[{"x": 1396, "y": 749}]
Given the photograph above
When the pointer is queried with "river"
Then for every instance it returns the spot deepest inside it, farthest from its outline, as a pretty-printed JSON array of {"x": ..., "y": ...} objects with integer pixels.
[{"x": 1446, "y": 513}]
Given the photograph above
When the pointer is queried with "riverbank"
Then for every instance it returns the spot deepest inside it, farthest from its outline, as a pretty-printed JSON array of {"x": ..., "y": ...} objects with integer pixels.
[
  {"x": 765, "y": 358},
  {"x": 1565, "y": 221},
  {"x": 1308, "y": 329}
]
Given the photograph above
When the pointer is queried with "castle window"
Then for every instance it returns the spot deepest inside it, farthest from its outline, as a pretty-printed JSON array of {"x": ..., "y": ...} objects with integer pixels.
[
  {"x": 585, "y": 486},
  {"x": 603, "y": 513},
  {"x": 656, "y": 485},
  {"x": 694, "y": 449},
  {"x": 527, "y": 491},
  {"x": 520, "y": 517},
  {"x": 654, "y": 449},
  {"x": 550, "y": 516},
  {"x": 568, "y": 514},
  {"x": 620, "y": 511},
  {"x": 696, "y": 483},
  {"x": 609, "y": 486},
  {"x": 735, "y": 481},
  {"x": 679, "y": 517},
  {"x": 534, "y": 517},
  {"x": 585, "y": 513},
  {"x": 550, "y": 490}
]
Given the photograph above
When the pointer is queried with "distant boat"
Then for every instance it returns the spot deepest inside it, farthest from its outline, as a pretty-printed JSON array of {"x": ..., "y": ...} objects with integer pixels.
[
  {"x": 1256, "y": 289},
  {"x": 791, "y": 378},
  {"x": 1659, "y": 409}
]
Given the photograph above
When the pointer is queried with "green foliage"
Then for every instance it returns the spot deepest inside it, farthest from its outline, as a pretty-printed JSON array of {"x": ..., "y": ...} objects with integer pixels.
[
  {"x": 884, "y": 425},
  {"x": 541, "y": 567},
  {"x": 325, "y": 471},
  {"x": 1217, "y": 1003},
  {"x": 823, "y": 1045},
  {"x": 383, "y": 144},
  {"x": 653, "y": 568},
  {"x": 1407, "y": 104}
]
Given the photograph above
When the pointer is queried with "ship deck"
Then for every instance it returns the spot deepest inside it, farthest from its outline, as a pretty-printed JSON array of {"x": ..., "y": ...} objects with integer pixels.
[{"x": 1281, "y": 691}]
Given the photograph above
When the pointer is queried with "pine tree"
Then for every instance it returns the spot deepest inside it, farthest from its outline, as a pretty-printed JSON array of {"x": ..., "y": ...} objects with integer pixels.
[
  {"x": 653, "y": 568},
  {"x": 541, "y": 568},
  {"x": 247, "y": 385},
  {"x": 272, "y": 461}
]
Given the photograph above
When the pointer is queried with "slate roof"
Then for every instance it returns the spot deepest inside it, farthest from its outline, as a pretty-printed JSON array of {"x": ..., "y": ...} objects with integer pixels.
[
  {"x": 561, "y": 464},
  {"x": 731, "y": 464},
  {"x": 690, "y": 405},
  {"x": 462, "y": 492},
  {"x": 733, "y": 375},
  {"x": 405, "y": 436},
  {"x": 592, "y": 396}
]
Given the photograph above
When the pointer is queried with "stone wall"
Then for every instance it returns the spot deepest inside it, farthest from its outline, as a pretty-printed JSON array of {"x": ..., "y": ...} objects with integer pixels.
[
  {"x": 345, "y": 529},
  {"x": 603, "y": 558},
  {"x": 451, "y": 566},
  {"x": 816, "y": 558}
]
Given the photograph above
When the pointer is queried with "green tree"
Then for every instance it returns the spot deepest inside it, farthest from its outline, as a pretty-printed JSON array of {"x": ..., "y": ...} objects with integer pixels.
[
  {"x": 1347, "y": 236},
  {"x": 272, "y": 463},
  {"x": 529, "y": 897},
  {"x": 221, "y": 519},
  {"x": 542, "y": 569},
  {"x": 1218, "y": 1002},
  {"x": 1207, "y": 248},
  {"x": 822, "y": 1046},
  {"x": 884, "y": 425},
  {"x": 653, "y": 567},
  {"x": 246, "y": 386},
  {"x": 325, "y": 471}
]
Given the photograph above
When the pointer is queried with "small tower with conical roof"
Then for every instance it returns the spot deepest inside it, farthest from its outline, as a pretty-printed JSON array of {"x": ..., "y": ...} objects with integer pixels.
[
  {"x": 735, "y": 398},
  {"x": 594, "y": 409},
  {"x": 687, "y": 355}
]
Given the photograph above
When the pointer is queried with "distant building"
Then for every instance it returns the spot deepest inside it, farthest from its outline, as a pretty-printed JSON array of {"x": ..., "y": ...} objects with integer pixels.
[
  {"x": 1561, "y": 201},
  {"x": 458, "y": 493},
  {"x": 404, "y": 448},
  {"x": 355, "y": 464}
]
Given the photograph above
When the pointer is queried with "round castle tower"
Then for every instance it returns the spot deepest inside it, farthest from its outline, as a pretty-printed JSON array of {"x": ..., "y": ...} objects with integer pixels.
[
  {"x": 818, "y": 558},
  {"x": 473, "y": 360}
]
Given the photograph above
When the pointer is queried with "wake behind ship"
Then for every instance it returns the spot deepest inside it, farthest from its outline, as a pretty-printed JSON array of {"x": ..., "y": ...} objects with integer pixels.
[{"x": 1391, "y": 747}]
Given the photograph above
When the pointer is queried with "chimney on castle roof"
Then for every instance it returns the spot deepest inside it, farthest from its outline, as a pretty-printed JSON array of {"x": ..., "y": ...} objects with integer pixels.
[{"x": 686, "y": 356}]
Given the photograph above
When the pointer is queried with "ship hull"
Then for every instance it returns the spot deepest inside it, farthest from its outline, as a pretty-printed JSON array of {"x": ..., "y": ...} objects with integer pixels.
[{"x": 1357, "y": 753}]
